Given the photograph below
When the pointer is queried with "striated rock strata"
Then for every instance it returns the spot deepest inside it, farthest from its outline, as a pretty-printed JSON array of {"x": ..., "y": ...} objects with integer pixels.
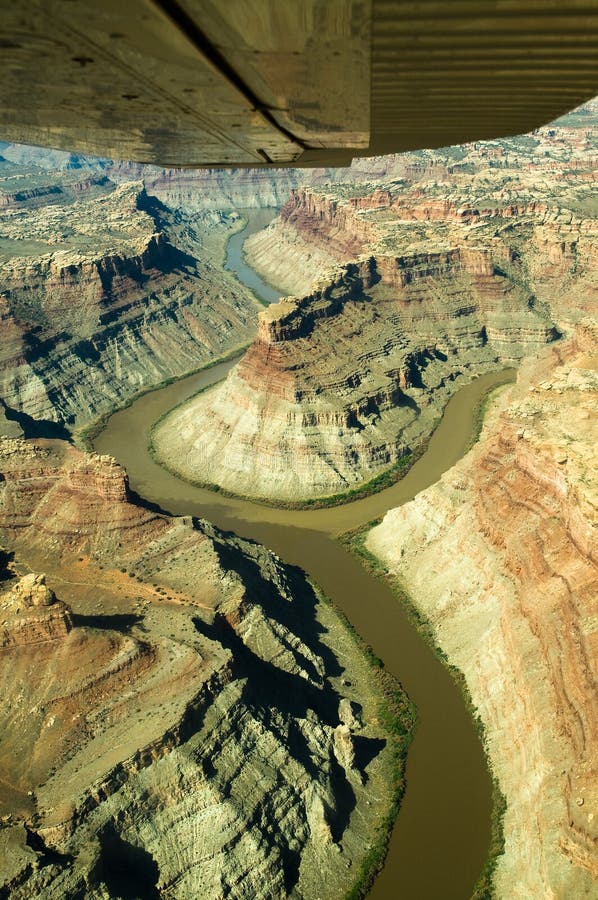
[
  {"x": 213, "y": 189},
  {"x": 31, "y": 614},
  {"x": 528, "y": 199},
  {"x": 106, "y": 291},
  {"x": 342, "y": 383},
  {"x": 182, "y": 721},
  {"x": 313, "y": 233},
  {"x": 440, "y": 265},
  {"x": 501, "y": 558}
]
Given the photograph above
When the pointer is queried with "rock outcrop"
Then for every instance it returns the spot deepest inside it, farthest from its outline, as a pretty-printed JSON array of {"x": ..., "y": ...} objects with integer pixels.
[
  {"x": 500, "y": 557},
  {"x": 213, "y": 189},
  {"x": 8, "y": 427},
  {"x": 178, "y": 721},
  {"x": 106, "y": 291},
  {"x": 528, "y": 200},
  {"x": 31, "y": 614},
  {"x": 341, "y": 384},
  {"x": 316, "y": 230},
  {"x": 434, "y": 279}
]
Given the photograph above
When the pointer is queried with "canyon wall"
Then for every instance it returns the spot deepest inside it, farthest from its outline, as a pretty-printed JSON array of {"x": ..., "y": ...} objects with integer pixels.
[
  {"x": 500, "y": 557},
  {"x": 216, "y": 189},
  {"x": 104, "y": 292},
  {"x": 312, "y": 233},
  {"x": 192, "y": 189},
  {"x": 341, "y": 384},
  {"x": 183, "y": 719},
  {"x": 541, "y": 230},
  {"x": 438, "y": 265}
]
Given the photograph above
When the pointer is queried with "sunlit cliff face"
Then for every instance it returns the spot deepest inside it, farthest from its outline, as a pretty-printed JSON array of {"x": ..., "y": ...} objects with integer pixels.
[
  {"x": 499, "y": 557},
  {"x": 180, "y": 713}
]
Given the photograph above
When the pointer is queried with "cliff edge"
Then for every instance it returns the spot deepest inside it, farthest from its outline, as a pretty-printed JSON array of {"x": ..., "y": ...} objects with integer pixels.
[{"x": 500, "y": 557}]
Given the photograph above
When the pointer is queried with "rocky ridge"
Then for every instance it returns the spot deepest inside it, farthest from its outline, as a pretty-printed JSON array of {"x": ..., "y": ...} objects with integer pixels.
[
  {"x": 105, "y": 291},
  {"x": 179, "y": 722},
  {"x": 500, "y": 557},
  {"x": 528, "y": 200},
  {"x": 449, "y": 263},
  {"x": 341, "y": 384}
]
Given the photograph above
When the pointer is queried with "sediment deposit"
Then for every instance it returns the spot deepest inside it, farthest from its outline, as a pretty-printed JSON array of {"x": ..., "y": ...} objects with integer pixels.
[
  {"x": 178, "y": 720},
  {"x": 500, "y": 557}
]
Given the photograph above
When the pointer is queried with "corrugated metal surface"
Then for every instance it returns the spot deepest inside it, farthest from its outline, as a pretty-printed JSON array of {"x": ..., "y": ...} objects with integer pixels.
[{"x": 309, "y": 82}]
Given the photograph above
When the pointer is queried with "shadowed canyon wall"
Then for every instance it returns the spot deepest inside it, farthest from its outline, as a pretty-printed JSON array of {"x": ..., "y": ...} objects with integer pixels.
[{"x": 112, "y": 278}]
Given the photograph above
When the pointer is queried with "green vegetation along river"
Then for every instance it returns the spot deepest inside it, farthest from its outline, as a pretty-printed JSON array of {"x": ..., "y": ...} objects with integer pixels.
[{"x": 441, "y": 837}]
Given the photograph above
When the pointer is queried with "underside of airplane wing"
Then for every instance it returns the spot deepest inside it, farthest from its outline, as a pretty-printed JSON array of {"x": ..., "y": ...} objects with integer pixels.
[{"x": 287, "y": 82}]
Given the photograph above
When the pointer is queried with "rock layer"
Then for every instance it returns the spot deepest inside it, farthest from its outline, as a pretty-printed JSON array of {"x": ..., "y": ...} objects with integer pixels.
[
  {"x": 500, "y": 557},
  {"x": 188, "y": 730},
  {"x": 528, "y": 200},
  {"x": 343, "y": 383},
  {"x": 215, "y": 189},
  {"x": 31, "y": 614},
  {"x": 105, "y": 291},
  {"x": 462, "y": 260}
]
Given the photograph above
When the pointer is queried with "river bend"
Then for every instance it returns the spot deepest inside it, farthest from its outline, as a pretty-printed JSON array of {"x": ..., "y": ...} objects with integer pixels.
[{"x": 440, "y": 840}]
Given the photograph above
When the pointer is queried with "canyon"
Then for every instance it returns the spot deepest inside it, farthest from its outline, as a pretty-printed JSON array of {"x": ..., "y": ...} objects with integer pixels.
[
  {"x": 442, "y": 267},
  {"x": 184, "y": 713},
  {"x": 500, "y": 558},
  {"x": 182, "y": 717},
  {"x": 107, "y": 290},
  {"x": 351, "y": 379}
]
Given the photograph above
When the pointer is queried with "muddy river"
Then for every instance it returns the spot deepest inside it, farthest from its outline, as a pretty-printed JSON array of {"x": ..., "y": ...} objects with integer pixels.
[
  {"x": 441, "y": 837},
  {"x": 234, "y": 262}
]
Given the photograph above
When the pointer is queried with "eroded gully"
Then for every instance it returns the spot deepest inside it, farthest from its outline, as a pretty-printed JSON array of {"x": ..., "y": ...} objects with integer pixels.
[{"x": 440, "y": 840}]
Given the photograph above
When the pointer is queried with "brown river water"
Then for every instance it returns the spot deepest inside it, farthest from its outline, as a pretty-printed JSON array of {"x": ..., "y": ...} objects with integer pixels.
[
  {"x": 441, "y": 836},
  {"x": 440, "y": 840}
]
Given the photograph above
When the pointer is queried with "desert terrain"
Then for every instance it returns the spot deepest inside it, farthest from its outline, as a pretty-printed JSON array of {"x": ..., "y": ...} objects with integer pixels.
[
  {"x": 410, "y": 281},
  {"x": 183, "y": 713},
  {"x": 500, "y": 558}
]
